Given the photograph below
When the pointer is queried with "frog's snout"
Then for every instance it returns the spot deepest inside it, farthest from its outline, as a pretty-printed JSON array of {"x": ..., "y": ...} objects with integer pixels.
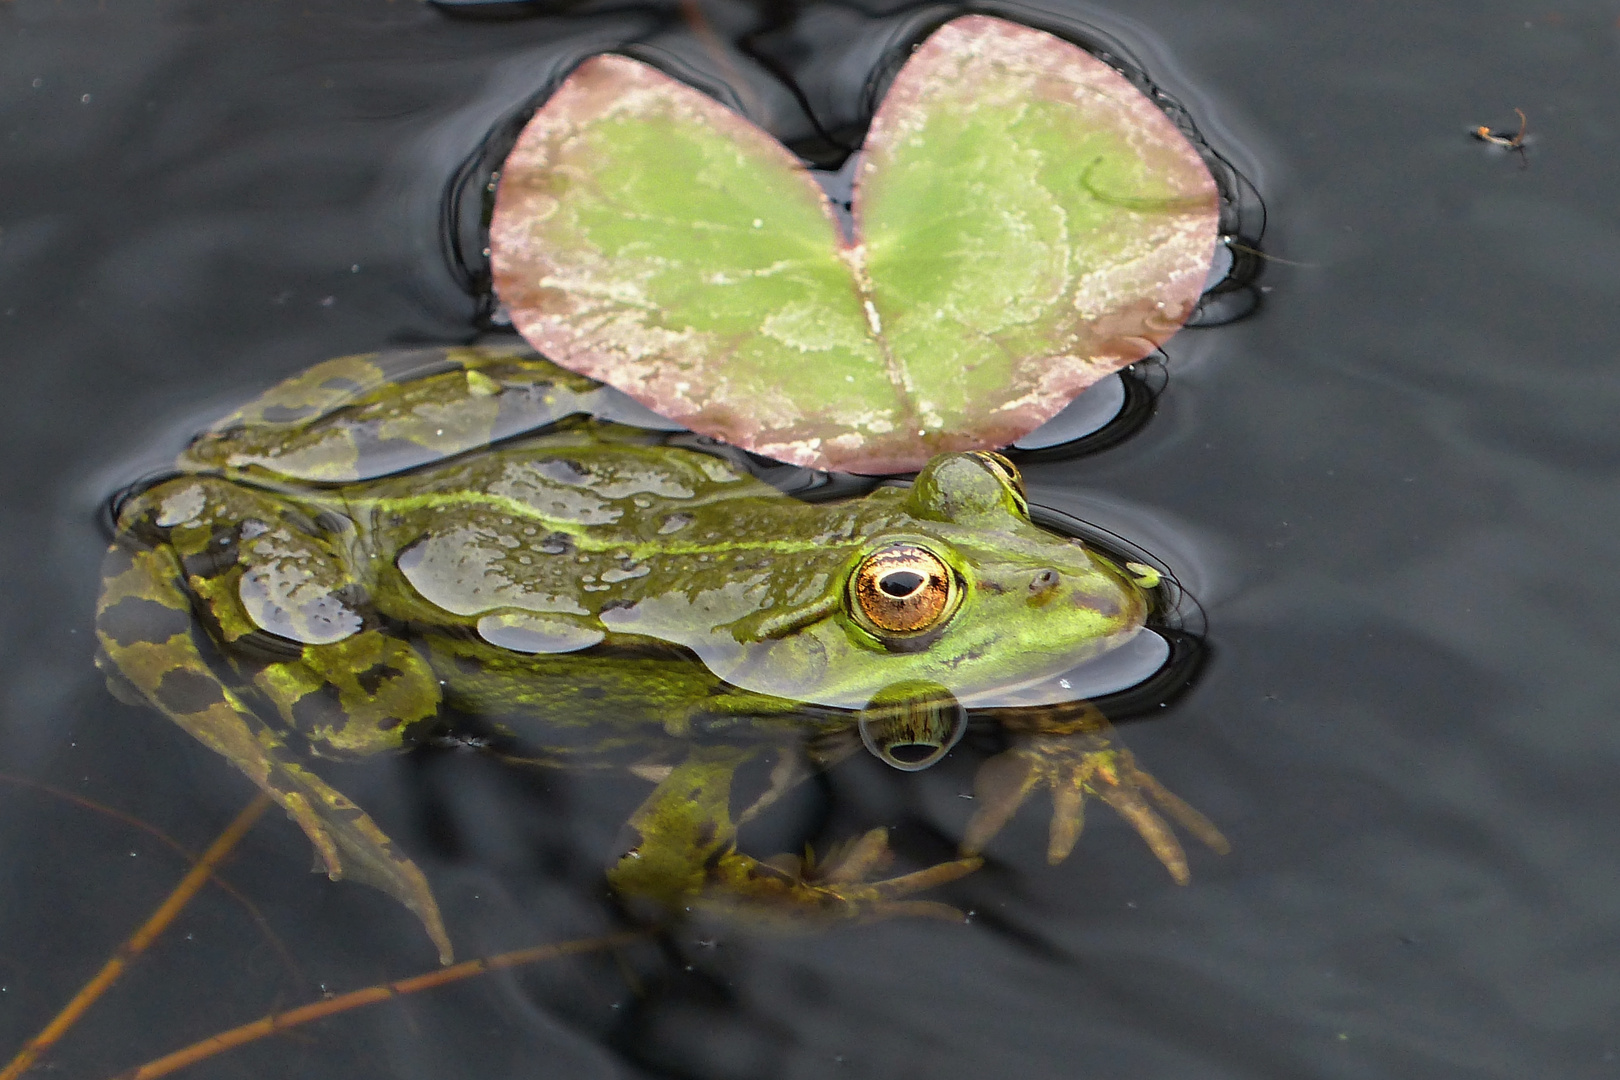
[{"x": 1109, "y": 603}]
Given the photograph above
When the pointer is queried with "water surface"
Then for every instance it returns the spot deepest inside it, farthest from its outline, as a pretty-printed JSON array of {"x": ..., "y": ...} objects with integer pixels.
[{"x": 1392, "y": 489}]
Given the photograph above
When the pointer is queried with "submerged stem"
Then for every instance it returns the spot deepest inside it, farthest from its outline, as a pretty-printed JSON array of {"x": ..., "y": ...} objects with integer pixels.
[
  {"x": 138, "y": 942},
  {"x": 275, "y": 1023},
  {"x": 173, "y": 845}
]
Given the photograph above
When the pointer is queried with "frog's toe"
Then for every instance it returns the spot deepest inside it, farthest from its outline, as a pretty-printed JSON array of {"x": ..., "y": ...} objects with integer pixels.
[
  {"x": 843, "y": 884},
  {"x": 1152, "y": 828},
  {"x": 846, "y": 880},
  {"x": 917, "y": 909},
  {"x": 868, "y": 901},
  {"x": 889, "y": 889},
  {"x": 999, "y": 789},
  {"x": 1145, "y": 803},
  {"x": 350, "y": 845},
  {"x": 1068, "y": 817},
  {"x": 856, "y": 859},
  {"x": 1179, "y": 811}
]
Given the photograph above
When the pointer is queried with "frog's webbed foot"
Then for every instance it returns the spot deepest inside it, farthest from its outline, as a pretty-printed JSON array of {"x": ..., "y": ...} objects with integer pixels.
[
  {"x": 348, "y": 844},
  {"x": 1075, "y": 765},
  {"x": 843, "y": 883},
  {"x": 687, "y": 857}
]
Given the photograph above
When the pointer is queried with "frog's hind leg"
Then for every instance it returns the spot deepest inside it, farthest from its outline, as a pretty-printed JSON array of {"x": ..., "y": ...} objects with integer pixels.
[
  {"x": 150, "y": 650},
  {"x": 687, "y": 857}
]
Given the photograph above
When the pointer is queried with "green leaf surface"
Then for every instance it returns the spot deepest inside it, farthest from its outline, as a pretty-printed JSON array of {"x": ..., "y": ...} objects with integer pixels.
[{"x": 1026, "y": 223}]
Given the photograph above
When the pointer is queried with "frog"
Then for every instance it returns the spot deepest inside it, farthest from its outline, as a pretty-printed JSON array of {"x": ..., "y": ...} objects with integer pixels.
[{"x": 471, "y": 542}]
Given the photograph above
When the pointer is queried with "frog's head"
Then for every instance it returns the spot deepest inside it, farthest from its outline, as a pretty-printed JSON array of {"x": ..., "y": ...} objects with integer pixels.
[
  {"x": 962, "y": 592},
  {"x": 945, "y": 593}
]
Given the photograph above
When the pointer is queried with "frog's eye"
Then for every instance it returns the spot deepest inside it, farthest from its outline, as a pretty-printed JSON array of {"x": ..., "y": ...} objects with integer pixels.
[{"x": 903, "y": 589}]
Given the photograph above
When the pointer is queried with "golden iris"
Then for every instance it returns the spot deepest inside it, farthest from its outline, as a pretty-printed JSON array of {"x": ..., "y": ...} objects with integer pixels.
[{"x": 903, "y": 589}]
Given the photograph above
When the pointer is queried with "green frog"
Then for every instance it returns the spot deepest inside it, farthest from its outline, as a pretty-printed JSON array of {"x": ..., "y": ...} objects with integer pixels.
[{"x": 385, "y": 550}]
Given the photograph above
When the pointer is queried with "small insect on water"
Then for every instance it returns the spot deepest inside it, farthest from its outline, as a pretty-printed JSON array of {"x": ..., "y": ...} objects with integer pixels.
[{"x": 1514, "y": 142}]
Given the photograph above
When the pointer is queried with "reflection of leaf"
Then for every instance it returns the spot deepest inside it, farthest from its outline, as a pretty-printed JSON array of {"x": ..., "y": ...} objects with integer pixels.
[{"x": 1025, "y": 222}]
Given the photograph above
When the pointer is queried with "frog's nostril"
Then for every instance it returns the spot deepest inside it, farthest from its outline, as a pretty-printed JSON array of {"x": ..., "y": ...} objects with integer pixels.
[{"x": 1046, "y": 579}]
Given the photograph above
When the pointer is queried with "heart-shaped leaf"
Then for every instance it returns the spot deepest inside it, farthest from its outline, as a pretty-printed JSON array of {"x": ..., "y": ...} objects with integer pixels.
[{"x": 1026, "y": 221}]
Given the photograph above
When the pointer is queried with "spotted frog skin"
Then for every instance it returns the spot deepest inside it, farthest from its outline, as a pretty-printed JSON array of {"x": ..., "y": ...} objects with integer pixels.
[{"x": 385, "y": 550}]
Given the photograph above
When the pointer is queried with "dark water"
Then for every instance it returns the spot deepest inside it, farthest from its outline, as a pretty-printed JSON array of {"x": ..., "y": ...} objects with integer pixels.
[{"x": 1393, "y": 490}]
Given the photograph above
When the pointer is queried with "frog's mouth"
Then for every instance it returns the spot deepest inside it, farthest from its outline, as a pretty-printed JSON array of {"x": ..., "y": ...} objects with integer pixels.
[{"x": 911, "y": 725}]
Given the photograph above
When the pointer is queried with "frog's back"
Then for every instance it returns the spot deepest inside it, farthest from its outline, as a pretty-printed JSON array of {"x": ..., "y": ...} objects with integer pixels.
[{"x": 583, "y": 521}]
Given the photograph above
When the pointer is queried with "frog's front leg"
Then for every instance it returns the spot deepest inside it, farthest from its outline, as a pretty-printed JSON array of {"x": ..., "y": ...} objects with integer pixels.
[
  {"x": 687, "y": 858},
  {"x": 175, "y": 635},
  {"x": 1071, "y": 750}
]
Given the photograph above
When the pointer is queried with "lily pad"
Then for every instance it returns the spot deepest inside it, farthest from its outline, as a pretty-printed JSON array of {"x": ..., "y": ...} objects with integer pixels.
[{"x": 1025, "y": 222}]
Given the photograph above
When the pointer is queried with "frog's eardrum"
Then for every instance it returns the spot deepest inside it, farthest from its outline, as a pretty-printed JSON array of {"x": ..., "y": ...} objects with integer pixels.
[{"x": 1025, "y": 222}]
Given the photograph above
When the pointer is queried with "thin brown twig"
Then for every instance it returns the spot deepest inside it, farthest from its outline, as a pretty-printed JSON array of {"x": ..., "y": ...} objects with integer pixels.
[
  {"x": 275, "y": 1023},
  {"x": 174, "y": 845},
  {"x": 138, "y": 942}
]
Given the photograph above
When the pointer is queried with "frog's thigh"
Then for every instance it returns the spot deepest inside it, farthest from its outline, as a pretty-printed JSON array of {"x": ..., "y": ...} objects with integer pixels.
[
  {"x": 347, "y": 689},
  {"x": 145, "y": 627},
  {"x": 353, "y": 697},
  {"x": 685, "y": 825}
]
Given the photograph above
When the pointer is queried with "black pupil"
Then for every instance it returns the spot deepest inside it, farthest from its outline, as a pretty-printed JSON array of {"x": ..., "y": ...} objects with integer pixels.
[{"x": 901, "y": 583}]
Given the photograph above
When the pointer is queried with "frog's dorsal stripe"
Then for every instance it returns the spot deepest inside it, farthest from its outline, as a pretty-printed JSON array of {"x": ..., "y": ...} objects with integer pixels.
[
  {"x": 595, "y": 539},
  {"x": 877, "y": 513}
]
